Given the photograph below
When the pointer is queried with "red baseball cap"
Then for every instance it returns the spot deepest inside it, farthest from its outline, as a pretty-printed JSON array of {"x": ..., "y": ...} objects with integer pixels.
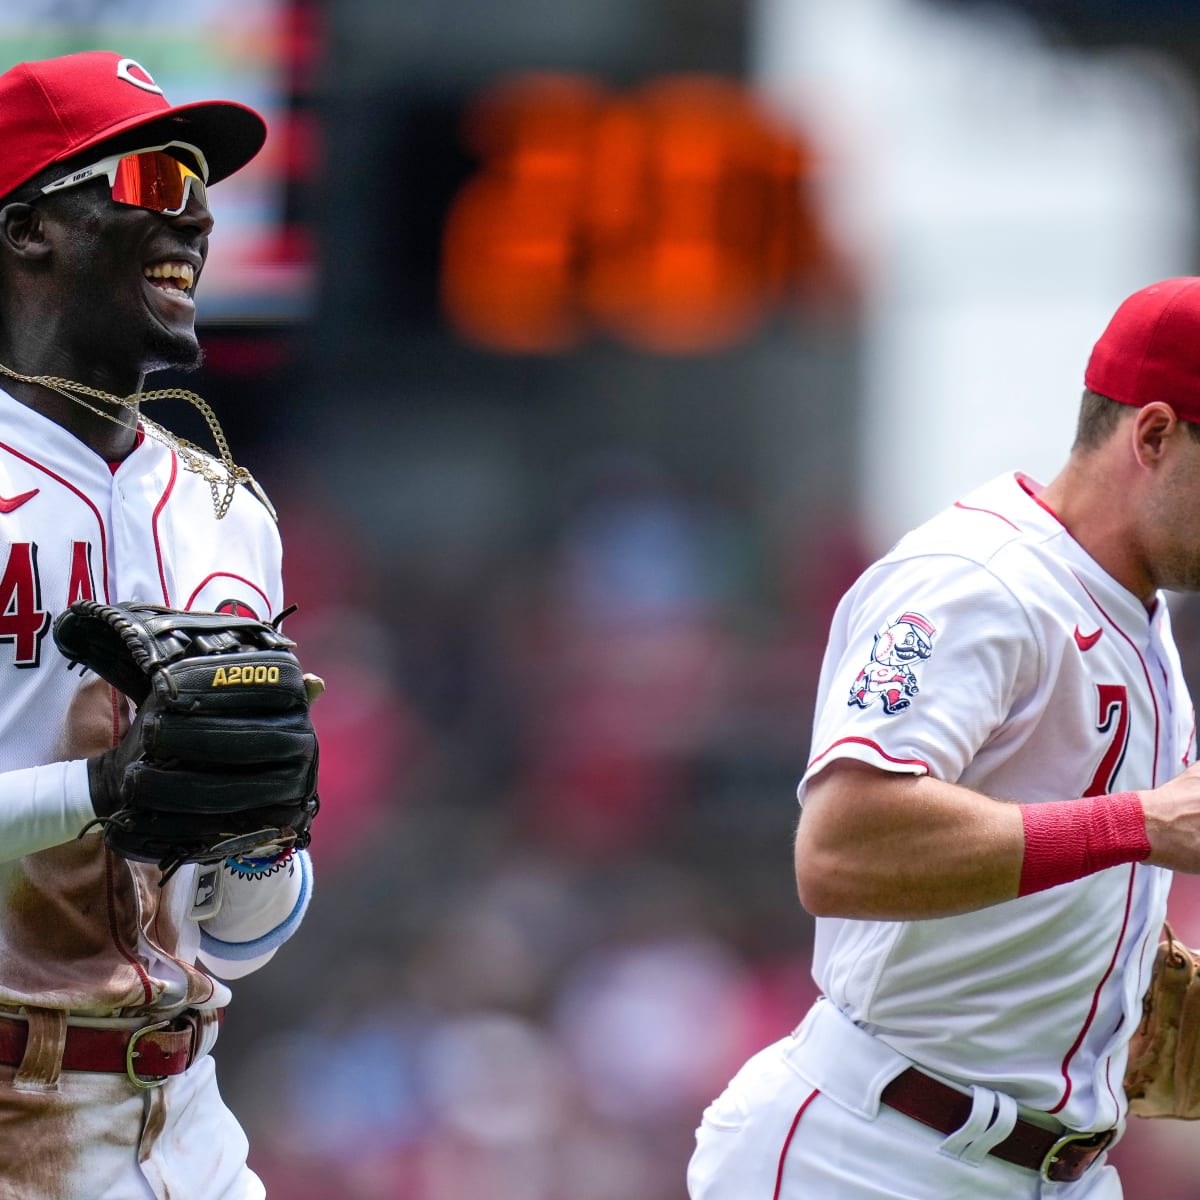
[
  {"x": 1151, "y": 349},
  {"x": 52, "y": 110}
]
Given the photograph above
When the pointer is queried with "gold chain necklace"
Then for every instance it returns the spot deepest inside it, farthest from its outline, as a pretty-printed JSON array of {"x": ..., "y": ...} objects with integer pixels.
[{"x": 222, "y": 478}]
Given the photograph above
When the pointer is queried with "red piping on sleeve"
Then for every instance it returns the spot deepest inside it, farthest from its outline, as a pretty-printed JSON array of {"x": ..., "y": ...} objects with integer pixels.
[
  {"x": 228, "y": 575},
  {"x": 862, "y": 741}
]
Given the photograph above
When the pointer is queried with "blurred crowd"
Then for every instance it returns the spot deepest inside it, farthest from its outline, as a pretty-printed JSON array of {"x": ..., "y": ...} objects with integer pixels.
[{"x": 554, "y": 906}]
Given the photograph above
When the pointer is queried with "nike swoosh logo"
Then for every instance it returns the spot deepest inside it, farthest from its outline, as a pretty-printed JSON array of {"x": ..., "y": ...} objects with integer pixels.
[
  {"x": 1085, "y": 641},
  {"x": 7, "y": 505}
]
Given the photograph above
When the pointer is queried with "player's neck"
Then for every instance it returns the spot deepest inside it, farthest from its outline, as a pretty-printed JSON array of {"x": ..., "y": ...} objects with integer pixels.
[
  {"x": 106, "y": 427},
  {"x": 1082, "y": 499}
]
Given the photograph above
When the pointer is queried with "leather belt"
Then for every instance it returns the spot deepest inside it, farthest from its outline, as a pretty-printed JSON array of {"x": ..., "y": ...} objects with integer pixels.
[
  {"x": 1060, "y": 1157},
  {"x": 148, "y": 1054}
]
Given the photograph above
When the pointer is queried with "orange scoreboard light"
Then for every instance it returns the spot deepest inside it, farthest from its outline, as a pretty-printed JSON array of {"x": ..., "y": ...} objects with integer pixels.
[{"x": 674, "y": 217}]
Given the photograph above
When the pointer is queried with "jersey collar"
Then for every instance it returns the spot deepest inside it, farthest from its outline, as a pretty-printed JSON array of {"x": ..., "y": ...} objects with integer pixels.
[{"x": 1016, "y": 497}]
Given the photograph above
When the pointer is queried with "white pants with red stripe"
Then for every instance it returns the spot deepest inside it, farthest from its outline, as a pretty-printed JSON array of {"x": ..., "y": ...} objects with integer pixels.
[{"x": 802, "y": 1121}]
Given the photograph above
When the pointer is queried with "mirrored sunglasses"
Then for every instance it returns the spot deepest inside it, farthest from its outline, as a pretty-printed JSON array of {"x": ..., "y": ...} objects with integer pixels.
[{"x": 145, "y": 178}]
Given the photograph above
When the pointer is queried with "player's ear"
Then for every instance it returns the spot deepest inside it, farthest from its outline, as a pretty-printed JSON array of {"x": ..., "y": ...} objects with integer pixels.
[
  {"x": 23, "y": 230},
  {"x": 1153, "y": 425}
]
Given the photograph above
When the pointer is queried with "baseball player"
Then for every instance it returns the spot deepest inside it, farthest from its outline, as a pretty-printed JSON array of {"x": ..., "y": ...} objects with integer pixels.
[
  {"x": 111, "y": 987},
  {"x": 988, "y": 863}
]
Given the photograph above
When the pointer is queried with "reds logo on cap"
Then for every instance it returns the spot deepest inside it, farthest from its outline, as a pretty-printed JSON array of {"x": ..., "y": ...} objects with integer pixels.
[
  {"x": 56, "y": 109},
  {"x": 133, "y": 72}
]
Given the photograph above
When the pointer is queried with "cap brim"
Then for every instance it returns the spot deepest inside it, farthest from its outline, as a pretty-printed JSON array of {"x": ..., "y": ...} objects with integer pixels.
[{"x": 228, "y": 134}]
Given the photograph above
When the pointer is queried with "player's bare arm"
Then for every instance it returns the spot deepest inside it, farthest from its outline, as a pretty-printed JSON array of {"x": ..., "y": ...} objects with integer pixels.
[{"x": 873, "y": 844}]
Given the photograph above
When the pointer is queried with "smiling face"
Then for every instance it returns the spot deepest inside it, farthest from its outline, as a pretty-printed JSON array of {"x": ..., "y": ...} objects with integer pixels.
[
  {"x": 124, "y": 280},
  {"x": 97, "y": 290}
]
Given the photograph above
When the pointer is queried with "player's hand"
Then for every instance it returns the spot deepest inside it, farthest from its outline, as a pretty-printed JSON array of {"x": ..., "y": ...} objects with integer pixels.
[{"x": 1173, "y": 822}]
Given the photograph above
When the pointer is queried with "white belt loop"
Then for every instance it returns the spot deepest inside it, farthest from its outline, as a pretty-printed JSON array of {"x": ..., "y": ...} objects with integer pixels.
[
  {"x": 208, "y": 1026},
  {"x": 42, "y": 1064},
  {"x": 993, "y": 1115}
]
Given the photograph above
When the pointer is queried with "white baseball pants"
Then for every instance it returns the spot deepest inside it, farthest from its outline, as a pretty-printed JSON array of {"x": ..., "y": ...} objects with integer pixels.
[
  {"x": 93, "y": 1136},
  {"x": 802, "y": 1121}
]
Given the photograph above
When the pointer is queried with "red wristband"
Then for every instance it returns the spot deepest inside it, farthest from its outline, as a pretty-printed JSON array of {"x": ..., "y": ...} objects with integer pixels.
[{"x": 1068, "y": 839}]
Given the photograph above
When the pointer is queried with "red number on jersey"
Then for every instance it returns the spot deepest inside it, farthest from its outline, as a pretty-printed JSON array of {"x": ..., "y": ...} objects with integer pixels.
[
  {"x": 22, "y": 619},
  {"x": 80, "y": 585},
  {"x": 1114, "y": 717}
]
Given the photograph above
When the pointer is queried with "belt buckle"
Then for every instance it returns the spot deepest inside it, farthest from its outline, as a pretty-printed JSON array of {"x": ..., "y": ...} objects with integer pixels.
[
  {"x": 1073, "y": 1153},
  {"x": 149, "y": 1081}
]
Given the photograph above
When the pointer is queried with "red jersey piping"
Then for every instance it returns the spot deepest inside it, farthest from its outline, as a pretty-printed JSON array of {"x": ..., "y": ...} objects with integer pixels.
[
  {"x": 988, "y": 511},
  {"x": 862, "y": 741},
  {"x": 82, "y": 496},
  {"x": 1087, "y": 1024},
  {"x": 162, "y": 503}
]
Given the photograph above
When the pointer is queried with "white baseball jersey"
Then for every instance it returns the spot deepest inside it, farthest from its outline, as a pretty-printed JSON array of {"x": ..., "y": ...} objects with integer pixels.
[
  {"x": 988, "y": 649},
  {"x": 80, "y": 928}
]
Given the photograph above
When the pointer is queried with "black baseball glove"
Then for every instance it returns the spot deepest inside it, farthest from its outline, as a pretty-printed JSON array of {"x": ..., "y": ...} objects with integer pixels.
[{"x": 221, "y": 758}]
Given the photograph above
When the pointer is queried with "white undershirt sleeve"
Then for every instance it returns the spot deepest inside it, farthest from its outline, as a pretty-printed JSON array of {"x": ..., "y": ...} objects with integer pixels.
[{"x": 42, "y": 807}]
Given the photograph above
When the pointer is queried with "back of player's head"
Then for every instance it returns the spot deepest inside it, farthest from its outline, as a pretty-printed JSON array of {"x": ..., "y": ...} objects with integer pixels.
[{"x": 1151, "y": 349}]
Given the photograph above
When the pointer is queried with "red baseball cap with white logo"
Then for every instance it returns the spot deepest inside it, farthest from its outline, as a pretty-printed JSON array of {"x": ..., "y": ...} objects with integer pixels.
[
  {"x": 52, "y": 110},
  {"x": 1151, "y": 349}
]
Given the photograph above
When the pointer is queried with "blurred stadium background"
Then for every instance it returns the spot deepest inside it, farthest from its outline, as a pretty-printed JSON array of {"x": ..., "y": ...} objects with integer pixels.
[{"x": 588, "y": 349}]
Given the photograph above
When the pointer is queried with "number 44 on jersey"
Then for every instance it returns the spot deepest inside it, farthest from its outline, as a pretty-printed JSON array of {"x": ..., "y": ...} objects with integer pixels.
[{"x": 23, "y": 620}]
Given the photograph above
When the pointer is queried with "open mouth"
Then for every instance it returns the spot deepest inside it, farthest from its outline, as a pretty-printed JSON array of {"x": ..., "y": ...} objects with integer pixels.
[{"x": 174, "y": 277}]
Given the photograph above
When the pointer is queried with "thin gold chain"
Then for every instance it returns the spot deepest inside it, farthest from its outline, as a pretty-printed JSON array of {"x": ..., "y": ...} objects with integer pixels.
[{"x": 222, "y": 478}]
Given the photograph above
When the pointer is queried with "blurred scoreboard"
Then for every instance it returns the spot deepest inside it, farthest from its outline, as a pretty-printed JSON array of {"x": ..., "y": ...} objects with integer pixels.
[{"x": 675, "y": 216}]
